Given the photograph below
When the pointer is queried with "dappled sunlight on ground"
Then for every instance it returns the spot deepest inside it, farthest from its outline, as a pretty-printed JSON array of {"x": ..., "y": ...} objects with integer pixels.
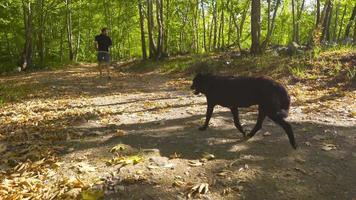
[{"x": 62, "y": 129}]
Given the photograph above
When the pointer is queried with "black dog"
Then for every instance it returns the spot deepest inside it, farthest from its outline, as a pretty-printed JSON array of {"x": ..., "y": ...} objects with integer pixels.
[{"x": 233, "y": 92}]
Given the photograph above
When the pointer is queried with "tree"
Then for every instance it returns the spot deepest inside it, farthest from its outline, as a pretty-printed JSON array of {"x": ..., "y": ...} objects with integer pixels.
[
  {"x": 142, "y": 29},
  {"x": 349, "y": 24},
  {"x": 69, "y": 29},
  {"x": 26, "y": 58},
  {"x": 255, "y": 27}
]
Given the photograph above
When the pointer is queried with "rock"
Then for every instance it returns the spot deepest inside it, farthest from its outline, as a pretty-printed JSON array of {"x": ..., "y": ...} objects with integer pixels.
[{"x": 159, "y": 161}]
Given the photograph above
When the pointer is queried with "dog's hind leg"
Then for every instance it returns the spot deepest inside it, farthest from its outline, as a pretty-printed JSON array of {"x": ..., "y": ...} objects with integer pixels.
[
  {"x": 258, "y": 126},
  {"x": 209, "y": 112},
  {"x": 287, "y": 128},
  {"x": 235, "y": 113}
]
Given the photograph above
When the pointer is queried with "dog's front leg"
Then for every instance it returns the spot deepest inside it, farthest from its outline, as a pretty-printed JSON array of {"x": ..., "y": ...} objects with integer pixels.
[{"x": 209, "y": 112}]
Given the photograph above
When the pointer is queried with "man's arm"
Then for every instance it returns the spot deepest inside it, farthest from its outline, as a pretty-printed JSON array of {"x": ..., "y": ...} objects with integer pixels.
[{"x": 96, "y": 45}]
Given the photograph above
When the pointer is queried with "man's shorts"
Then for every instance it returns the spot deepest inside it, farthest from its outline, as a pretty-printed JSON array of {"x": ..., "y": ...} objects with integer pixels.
[{"x": 103, "y": 57}]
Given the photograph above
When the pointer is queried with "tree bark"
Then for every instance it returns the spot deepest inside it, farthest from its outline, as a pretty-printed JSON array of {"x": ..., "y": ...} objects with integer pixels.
[
  {"x": 159, "y": 15},
  {"x": 26, "y": 57},
  {"x": 341, "y": 23},
  {"x": 293, "y": 22},
  {"x": 271, "y": 27},
  {"x": 215, "y": 23},
  {"x": 326, "y": 24},
  {"x": 299, "y": 17},
  {"x": 204, "y": 25},
  {"x": 152, "y": 45},
  {"x": 69, "y": 29},
  {"x": 255, "y": 27},
  {"x": 142, "y": 28},
  {"x": 349, "y": 24},
  {"x": 317, "y": 13},
  {"x": 337, "y": 10}
]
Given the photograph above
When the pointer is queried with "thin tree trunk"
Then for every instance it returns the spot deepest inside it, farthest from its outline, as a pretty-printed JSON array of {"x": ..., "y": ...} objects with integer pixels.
[
  {"x": 337, "y": 10},
  {"x": 41, "y": 33},
  {"x": 271, "y": 27},
  {"x": 152, "y": 45},
  {"x": 229, "y": 7},
  {"x": 349, "y": 24},
  {"x": 159, "y": 15},
  {"x": 61, "y": 46},
  {"x": 242, "y": 23},
  {"x": 293, "y": 22},
  {"x": 326, "y": 23},
  {"x": 215, "y": 23},
  {"x": 222, "y": 23},
  {"x": 299, "y": 16},
  {"x": 211, "y": 32},
  {"x": 69, "y": 30},
  {"x": 77, "y": 48},
  {"x": 317, "y": 13},
  {"x": 26, "y": 58},
  {"x": 255, "y": 26},
  {"x": 341, "y": 23},
  {"x": 142, "y": 28},
  {"x": 204, "y": 25}
]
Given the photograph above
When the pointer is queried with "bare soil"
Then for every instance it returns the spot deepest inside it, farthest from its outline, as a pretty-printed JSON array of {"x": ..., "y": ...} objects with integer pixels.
[{"x": 78, "y": 117}]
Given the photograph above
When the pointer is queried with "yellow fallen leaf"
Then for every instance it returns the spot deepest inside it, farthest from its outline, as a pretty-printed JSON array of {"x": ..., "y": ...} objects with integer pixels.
[{"x": 92, "y": 195}]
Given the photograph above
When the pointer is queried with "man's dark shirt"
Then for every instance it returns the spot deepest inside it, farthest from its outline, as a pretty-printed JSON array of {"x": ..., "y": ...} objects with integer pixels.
[{"x": 104, "y": 42}]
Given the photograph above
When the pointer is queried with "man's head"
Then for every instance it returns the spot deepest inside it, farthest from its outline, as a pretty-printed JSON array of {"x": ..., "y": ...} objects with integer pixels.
[{"x": 104, "y": 31}]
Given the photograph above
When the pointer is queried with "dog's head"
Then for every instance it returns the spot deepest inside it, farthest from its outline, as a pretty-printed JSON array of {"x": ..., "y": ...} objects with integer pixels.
[{"x": 199, "y": 84}]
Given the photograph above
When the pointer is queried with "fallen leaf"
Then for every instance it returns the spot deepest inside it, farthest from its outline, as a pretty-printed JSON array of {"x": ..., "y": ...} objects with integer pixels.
[
  {"x": 92, "y": 195},
  {"x": 119, "y": 147},
  {"x": 194, "y": 163},
  {"x": 328, "y": 147}
]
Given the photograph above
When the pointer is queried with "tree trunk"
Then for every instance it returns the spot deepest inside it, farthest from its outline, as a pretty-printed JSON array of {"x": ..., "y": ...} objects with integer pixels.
[
  {"x": 78, "y": 41},
  {"x": 215, "y": 23},
  {"x": 159, "y": 15},
  {"x": 336, "y": 21},
  {"x": 299, "y": 17},
  {"x": 229, "y": 7},
  {"x": 41, "y": 47},
  {"x": 204, "y": 28},
  {"x": 242, "y": 23},
  {"x": 61, "y": 46},
  {"x": 326, "y": 23},
  {"x": 294, "y": 38},
  {"x": 349, "y": 24},
  {"x": 317, "y": 13},
  {"x": 26, "y": 57},
  {"x": 222, "y": 21},
  {"x": 271, "y": 27},
  {"x": 142, "y": 28},
  {"x": 355, "y": 32},
  {"x": 69, "y": 30},
  {"x": 341, "y": 23},
  {"x": 152, "y": 45},
  {"x": 255, "y": 27}
]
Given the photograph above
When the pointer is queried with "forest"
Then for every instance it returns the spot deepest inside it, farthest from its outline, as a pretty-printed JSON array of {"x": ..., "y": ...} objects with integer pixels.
[
  {"x": 177, "y": 99},
  {"x": 43, "y": 33}
]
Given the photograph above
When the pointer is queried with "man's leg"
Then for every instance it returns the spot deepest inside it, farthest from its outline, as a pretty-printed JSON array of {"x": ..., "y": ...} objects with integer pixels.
[{"x": 100, "y": 67}]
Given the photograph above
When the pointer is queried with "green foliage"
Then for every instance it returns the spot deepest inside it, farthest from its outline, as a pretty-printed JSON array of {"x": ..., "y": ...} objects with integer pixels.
[{"x": 182, "y": 20}]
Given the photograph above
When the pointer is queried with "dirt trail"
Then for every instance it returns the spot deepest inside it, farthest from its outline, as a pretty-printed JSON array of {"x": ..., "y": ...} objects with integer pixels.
[{"x": 79, "y": 117}]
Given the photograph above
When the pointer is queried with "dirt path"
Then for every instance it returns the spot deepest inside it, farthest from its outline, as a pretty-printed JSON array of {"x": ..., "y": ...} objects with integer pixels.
[{"x": 63, "y": 133}]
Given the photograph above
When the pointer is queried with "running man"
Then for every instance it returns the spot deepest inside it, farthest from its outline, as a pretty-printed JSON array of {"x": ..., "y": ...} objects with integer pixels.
[{"x": 102, "y": 45}]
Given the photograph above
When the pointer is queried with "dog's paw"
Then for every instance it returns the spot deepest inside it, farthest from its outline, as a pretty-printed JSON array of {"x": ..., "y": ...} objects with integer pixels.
[{"x": 202, "y": 128}]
